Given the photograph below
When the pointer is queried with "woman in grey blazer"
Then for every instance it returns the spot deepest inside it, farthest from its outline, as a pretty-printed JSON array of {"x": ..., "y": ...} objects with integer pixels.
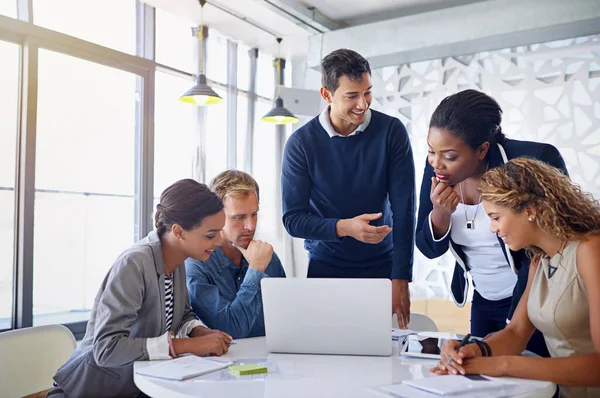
[{"x": 141, "y": 311}]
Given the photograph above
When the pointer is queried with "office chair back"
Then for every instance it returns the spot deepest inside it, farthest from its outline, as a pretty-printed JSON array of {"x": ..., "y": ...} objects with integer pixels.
[{"x": 31, "y": 356}]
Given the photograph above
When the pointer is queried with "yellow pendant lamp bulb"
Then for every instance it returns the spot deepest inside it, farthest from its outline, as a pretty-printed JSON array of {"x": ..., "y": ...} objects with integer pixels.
[
  {"x": 201, "y": 94},
  {"x": 279, "y": 114}
]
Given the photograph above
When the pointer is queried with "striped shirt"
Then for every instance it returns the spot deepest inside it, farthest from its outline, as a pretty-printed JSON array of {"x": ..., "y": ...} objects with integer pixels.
[{"x": 169, "y": 300}]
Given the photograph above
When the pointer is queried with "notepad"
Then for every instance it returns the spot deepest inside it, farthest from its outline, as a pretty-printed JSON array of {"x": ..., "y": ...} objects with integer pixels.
[
  {"x": 183, "y": 368},
  {"x": 451, "y": 384},
  {"x": 248, "y": 369}
]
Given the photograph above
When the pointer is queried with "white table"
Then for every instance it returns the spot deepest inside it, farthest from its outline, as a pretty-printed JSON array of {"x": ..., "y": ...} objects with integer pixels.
[{"x": 300, "y": 376}]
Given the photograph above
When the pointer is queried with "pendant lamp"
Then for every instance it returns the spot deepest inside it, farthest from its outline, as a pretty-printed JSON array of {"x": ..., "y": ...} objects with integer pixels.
[
  {"x": 279, "y": 115},
  {"x": 201, "y": 94}
]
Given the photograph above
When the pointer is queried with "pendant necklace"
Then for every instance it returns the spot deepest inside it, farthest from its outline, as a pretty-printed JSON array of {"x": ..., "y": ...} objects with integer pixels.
[{"x": 470, "y": 223}]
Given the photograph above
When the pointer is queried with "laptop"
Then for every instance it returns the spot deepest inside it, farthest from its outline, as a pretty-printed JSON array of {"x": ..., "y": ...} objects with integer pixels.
[{"x": 328, "y": 316}]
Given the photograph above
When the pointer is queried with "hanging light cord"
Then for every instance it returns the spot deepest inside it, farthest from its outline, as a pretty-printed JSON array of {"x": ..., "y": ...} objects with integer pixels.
[
  {"x": 279, "y": 67},
  {"x": 200, "y": 35}
]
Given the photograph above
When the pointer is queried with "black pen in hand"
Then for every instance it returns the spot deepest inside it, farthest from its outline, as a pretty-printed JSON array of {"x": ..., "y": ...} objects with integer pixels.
[{"x": 462, "y": 343}]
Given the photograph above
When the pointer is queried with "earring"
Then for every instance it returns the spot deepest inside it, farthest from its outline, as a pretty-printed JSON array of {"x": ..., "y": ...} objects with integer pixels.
[{"x": 531, "y": 219}]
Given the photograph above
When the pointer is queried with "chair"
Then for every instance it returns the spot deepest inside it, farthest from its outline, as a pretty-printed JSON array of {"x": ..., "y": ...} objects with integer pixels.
[
  {"x": 418, "y": 323},
  {"x": 31, "y": 356}
]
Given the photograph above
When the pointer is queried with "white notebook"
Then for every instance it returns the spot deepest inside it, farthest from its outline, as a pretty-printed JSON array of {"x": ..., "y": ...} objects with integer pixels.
[{"x": 183, "y": 368}]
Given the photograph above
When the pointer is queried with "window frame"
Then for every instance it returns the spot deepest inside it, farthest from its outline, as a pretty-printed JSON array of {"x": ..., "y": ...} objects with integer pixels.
[{"x": 31, "y": 38}]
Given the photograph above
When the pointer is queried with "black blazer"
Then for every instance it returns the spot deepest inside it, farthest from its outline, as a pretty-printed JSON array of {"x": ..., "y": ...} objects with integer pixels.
[{"x": 518, "y": 261}]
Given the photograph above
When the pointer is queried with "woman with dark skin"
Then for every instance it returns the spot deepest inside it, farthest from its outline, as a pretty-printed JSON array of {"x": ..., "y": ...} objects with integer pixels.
[{"x": 465, "y": 139}]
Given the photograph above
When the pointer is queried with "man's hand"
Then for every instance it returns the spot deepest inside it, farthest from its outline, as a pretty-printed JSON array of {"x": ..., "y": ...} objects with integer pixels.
[
  {"x": 258, "y": 254},
  {"x": 401, "y": 302},
  {"x": 360, "y": 229}
]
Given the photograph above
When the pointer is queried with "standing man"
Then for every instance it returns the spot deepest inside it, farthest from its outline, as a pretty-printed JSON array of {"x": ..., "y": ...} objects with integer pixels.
[
  {"x": 225, "y": 289},
  {"x": 348, "y": 177}
]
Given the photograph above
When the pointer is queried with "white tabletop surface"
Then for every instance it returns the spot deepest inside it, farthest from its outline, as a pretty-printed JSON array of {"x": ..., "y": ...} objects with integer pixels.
[{"x": 294, "y": 375}]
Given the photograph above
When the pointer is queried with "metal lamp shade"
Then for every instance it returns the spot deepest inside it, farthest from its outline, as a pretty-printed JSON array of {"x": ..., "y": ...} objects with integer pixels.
[
  {"x": 279, "y": 115},
  {"x": 201, "y": 94}
]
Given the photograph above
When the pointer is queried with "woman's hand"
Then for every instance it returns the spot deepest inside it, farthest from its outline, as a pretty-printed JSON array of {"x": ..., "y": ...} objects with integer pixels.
[
  {"x": 212, "y": 344},
  {"x": 200, "y": 331},
  {"x": 489, "y": 366},
  {"x": 443, "y": 197},
  {"x": 453, "y": 362}
]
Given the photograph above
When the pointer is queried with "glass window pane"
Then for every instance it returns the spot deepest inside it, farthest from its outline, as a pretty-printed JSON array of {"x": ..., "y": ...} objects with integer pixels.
[
  {"x": 8, "y": 8},
  {"x": 243, "y": 67},
  {"x": 85, "y": 166},
  {"x": 110, "y": 23},
  {"x": 216, "y": 137},
  {"x": 216, "y": 57},
  {"x": 242, "y": 128},
  {"x": 265, "y": 171},
  {"x": 175, "y": 132},
  {"x": 9, "y": 94},
  {"x": 265, "y": 75},
  {"x": 174, "y": 42}
]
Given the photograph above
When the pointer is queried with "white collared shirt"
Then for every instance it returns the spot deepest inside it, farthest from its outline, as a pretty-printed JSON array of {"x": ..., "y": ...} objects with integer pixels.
[{"x": 326, "y": 124}]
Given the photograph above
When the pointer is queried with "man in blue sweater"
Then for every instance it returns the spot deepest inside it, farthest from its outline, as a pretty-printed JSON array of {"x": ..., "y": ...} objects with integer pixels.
[
  {"x": 348, "y": 180},
  {"x": 225, "y": 289}
]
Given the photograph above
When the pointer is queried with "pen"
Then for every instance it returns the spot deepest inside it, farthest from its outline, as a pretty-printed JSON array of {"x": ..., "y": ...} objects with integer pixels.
[{"x": 462, "y": 343}]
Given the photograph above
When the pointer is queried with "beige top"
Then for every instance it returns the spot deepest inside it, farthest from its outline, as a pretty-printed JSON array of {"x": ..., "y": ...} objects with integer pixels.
[{"x": 558, "y": 307}]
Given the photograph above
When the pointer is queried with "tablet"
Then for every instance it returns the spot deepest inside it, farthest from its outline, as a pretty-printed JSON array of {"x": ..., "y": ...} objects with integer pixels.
[{"x": 423, "y": 346}]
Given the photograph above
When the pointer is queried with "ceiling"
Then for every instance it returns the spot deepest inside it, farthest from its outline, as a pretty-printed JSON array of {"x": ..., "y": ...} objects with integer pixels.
[
  {"x": 257, "y": 23},
  {"x": 238, "y": 20},
  {"x": 358, "y": 12}
]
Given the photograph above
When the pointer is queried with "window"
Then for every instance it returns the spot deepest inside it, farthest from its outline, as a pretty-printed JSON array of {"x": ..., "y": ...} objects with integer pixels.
[
  {"x": 265, "y": 75},
  {"x": 9, "y": 95},
  {"x": 110, "y": 23},
  {"x": 243, "y": 67},
  {"x": 175, "y": 132},
  {"x": 85, "y": 169},
  {"x": 216, "y": 57},
  {"x": 216, "y": 137},
  {"x": 242, "y": 128},
  {"x": 174, "y": 42},
  {"x": 8, "y": 8},
  {"x": 265, "y": 171}
]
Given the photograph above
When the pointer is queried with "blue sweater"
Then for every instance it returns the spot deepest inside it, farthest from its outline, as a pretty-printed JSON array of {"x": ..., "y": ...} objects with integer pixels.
[{"x": 325, "y": 179}]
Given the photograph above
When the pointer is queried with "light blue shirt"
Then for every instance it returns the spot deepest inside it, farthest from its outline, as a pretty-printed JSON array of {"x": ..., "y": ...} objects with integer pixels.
[
  {"x": 325, "y": 121},
  {"x": 227, "y": 297}
]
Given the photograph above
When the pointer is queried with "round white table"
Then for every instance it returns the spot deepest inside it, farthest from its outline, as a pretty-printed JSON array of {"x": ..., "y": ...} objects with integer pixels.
[{"x": 292, "y": 375}]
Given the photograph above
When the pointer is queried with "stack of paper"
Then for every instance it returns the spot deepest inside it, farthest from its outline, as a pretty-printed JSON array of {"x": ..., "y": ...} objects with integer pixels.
[
  {"x": 183, "y": 368},
  {"x": 473, "y": 386},
  {"x": 450, "y": 384}
]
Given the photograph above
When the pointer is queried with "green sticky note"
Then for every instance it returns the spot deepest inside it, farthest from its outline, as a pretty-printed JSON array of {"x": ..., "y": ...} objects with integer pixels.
[{"x": 248, "y": 369}]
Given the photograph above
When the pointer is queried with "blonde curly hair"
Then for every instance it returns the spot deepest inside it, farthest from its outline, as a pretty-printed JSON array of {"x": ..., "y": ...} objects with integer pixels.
[{"x": 562, "y": 208}]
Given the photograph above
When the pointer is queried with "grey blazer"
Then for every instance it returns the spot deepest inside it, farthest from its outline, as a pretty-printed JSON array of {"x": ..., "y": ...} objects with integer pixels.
[{"x": 129, "y": 308}]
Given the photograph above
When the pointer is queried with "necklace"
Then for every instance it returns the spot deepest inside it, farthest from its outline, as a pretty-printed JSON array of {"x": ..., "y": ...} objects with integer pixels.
[
  {"x": 552, "y": 269},
  {"x": 470, "y": 223}
]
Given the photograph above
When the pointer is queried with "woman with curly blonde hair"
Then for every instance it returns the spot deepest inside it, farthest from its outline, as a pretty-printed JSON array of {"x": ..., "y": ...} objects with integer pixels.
[{"x": 534, "y": 206}]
